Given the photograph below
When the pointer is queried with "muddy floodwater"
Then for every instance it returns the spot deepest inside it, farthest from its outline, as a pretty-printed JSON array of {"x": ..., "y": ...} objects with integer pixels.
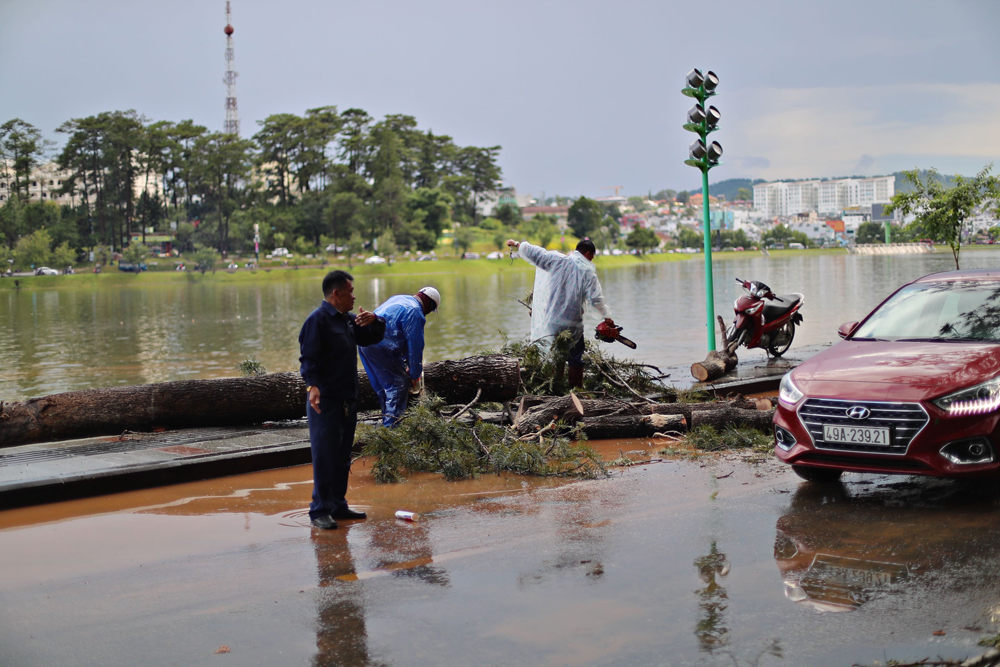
[
  {"x": 715, "y": 561},
  {"x": 54, "y": 340}
]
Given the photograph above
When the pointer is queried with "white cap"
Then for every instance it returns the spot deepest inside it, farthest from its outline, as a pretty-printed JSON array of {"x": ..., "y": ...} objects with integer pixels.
[{"x": 433, "y": 294}]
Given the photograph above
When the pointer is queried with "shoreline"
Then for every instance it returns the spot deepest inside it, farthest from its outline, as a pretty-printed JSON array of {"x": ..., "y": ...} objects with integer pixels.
[{"x": 405, "y": 268}]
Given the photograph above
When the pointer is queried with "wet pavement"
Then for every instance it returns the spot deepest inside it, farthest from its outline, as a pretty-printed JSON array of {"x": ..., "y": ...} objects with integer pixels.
[
  {"x": 711, "y": 561},
  {"x": 73, "y": 468}
]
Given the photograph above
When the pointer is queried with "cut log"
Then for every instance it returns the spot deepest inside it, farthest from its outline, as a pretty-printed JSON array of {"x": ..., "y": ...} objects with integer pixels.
[
  {"x": 718, "y": 362},
  {"x": 728, "y": 415},
  {"x": 226, "y": 401},
  {"x": 546, "y": 409},
  {"x": 632, "y": 426}
]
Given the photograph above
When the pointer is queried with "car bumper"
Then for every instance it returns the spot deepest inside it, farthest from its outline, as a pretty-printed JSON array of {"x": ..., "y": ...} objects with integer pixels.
[{"x": 923, "y": 455}]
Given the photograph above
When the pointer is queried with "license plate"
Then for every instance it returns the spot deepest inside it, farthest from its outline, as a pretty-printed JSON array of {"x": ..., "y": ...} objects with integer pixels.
[{"x": 856, "y": 435}]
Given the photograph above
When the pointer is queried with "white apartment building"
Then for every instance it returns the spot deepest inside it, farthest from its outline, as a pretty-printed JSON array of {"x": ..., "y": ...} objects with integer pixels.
[
  {"x": 47, "y": 180},
  {"x": 45, "y": 183},
  {"x": 825, "y": 197}
]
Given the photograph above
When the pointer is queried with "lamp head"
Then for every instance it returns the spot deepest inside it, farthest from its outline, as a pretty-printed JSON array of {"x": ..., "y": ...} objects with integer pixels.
[
  {"x": 710, "y": 81},
  {"x": 697, "y": 150},
  {"x": 714, "y": 152}
]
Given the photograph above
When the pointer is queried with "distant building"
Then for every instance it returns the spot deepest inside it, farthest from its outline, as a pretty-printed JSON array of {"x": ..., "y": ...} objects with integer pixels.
[
  {"x": 47, "y": 180},
  {"x": 560, "y": 212},
  {"x": 782, "y": 198},
  {"x": 503, "y": 196}
]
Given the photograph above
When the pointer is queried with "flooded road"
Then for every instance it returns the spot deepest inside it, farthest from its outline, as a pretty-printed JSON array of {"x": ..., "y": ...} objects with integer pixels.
[{"x": 713, "y": 561}]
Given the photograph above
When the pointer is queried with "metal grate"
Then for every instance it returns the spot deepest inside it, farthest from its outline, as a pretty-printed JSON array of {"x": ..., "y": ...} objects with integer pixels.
[
  {"x": 145, "y": 441},
  {"x": 904, "y": 420}
]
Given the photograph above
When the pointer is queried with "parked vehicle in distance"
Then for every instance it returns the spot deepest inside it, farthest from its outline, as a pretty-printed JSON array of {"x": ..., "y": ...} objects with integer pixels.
[
  {"x": 280, "y": 252},
  {"x": 375, "y": 259},
  {"x": 495, "y": 255},
  {"x": 796, "y": 246},
  {"x": 45, "y": 271},
  {"x": 427, "y": 258},
  {"x": 471, "y": 255},
  {"x": 335, "y": 248},
  {"x": 616, "y": 252},
  {"x": 131, "y": 268},
  {"x": 914, "y": 388},
  {"x": 777, "y": 246}
]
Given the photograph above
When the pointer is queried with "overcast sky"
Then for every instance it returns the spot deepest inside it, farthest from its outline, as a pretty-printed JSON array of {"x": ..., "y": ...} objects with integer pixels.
[{"x": 580, "y": 95}]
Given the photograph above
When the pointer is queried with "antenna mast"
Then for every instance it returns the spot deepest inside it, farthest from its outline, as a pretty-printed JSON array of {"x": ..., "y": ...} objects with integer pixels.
[{"x": 232, "y": 124}]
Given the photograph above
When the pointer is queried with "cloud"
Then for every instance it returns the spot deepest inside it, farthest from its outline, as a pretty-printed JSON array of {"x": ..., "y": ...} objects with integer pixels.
[
  {"x": 753, "y": 163},
  {"x": 865, "y": 162},
  {"x": 812, "y": 132}
]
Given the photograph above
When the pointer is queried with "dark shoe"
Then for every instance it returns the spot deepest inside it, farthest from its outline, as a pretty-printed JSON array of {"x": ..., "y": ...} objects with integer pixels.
[
  {"x": 348, "y": 513},
  {"x": 325, "y": 522}
]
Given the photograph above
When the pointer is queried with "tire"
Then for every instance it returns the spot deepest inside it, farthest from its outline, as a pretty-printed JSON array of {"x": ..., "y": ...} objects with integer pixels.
[
  {"x": 818, "y": 475},
  {"x": 778, "y": 350}
]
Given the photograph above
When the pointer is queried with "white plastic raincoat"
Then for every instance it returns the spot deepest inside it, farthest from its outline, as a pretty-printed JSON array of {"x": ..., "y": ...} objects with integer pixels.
[{"x": 563, "y": 286}]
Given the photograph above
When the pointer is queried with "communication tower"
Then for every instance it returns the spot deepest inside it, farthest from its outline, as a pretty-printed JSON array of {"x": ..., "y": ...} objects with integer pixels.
[{"x": 232, "y": 124}]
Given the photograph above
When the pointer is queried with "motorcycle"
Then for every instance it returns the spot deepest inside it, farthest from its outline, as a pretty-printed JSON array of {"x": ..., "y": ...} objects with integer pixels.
[{"x": 759, "y": 324}]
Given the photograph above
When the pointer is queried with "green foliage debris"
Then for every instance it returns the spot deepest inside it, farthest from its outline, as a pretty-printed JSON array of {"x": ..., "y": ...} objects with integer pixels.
[
  {"x": 428, "y": 441},
  {"x": 250, "y": 367},
  {"x": 543, "y": 371},
  {"x": 707, "y": 438}
]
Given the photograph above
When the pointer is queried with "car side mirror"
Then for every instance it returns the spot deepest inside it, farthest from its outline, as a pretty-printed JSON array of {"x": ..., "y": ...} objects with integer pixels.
[{"x": 846, "y": 329}]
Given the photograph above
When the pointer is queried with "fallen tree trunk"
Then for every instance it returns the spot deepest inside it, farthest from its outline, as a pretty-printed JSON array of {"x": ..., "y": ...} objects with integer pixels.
[
  {"x": 545, "y": 410},
  {"x": 632, "y": 426},
  {"x": 729, "y": 415},
  {"x": 226, "y": 401}
]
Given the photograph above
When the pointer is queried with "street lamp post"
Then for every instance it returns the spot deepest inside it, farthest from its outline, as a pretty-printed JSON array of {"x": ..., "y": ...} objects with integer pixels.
[{"x": 703, "y": 156}]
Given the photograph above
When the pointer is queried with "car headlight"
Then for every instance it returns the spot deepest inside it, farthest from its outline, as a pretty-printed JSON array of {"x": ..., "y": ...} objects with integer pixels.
[
  {"x": 788, "y": 392},
  {"x": 976, "y": 400}
]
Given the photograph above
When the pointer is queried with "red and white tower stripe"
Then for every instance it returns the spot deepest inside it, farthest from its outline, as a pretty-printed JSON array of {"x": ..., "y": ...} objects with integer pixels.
[{"x": 232, "y": 125}]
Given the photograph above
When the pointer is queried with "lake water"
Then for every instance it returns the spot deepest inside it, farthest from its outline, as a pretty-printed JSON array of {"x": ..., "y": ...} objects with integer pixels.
[{"x": 54, "y": 340}]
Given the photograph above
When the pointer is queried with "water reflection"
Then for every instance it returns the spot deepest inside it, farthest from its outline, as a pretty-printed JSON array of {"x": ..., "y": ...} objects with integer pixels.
[
  {"x": 341, "y": 633},
  {"x": 839, "y": 547},
  {"x": 713, "y": 600}
]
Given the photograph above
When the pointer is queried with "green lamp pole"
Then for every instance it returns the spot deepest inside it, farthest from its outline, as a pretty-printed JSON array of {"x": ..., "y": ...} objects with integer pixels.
[{"x": 704, "y": 156}]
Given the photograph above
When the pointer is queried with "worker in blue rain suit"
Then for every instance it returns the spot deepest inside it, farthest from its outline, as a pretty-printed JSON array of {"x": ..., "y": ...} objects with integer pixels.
[
  {"x": 564, "y": 285},
  {"x": 328, "y": 344},
  {"x": 395, "y": 365}
]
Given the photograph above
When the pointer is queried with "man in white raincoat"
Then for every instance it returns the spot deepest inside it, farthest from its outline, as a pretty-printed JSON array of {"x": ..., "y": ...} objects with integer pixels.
[{"x": 563, "y": 286}]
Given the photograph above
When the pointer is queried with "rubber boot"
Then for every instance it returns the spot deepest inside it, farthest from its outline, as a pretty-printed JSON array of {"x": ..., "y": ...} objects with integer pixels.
[{"x": 576, "y": 376}]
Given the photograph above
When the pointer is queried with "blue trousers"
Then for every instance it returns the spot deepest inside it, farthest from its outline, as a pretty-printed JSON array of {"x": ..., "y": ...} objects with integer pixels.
[
  {"x": 331, "y": 437},
  {"x": 389, "y": 380}
]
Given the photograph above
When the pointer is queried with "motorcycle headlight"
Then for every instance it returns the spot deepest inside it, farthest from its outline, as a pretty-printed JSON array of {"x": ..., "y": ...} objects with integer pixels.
[
  {"x": 978, "y": 400},
  {"x": 788, "y": 392}
]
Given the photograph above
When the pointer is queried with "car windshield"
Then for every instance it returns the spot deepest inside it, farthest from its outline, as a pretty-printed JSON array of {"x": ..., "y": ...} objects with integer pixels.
[{"x": 955, "y": 311}]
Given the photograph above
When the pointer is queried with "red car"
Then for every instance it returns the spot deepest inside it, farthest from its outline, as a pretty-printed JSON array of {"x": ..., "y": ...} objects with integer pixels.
[{"x": 913, "y": 389}]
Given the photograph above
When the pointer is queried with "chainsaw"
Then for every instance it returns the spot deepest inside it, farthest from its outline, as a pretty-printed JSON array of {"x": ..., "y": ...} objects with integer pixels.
[{"x": 610, "y": 333}]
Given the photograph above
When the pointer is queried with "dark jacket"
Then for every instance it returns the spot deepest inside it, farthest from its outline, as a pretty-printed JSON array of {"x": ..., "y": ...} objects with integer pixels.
[{"x": 328, "y": 344}]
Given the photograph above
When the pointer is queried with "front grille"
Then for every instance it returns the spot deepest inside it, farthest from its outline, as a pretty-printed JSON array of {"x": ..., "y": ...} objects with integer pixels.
[{"x": 904, "y": 420}]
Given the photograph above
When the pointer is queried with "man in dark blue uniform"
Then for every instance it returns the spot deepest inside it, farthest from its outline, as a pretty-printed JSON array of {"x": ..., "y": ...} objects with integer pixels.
[{"x": 328, "y": 344}]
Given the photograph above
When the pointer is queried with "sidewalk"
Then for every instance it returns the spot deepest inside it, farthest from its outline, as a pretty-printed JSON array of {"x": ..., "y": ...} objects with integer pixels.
[
  {"x": 754, "y": 374},
  {"x": 52, "y": 471}
]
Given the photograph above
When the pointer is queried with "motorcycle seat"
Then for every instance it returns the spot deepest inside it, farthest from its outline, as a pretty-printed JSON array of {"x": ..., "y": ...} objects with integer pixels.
[{"x": 775, "y": 309}]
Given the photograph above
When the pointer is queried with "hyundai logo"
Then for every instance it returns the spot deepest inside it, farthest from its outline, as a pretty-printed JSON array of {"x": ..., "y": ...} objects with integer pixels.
[{"x": 858, "y": 412}]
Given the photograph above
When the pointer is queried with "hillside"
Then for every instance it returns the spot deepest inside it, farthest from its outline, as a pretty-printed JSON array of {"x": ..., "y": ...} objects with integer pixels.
[{"x": 729, "y": 187}]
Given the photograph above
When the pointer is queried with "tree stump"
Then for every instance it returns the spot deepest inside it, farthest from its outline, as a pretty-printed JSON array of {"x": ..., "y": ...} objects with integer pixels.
[{"x": 718, "y": 362}]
